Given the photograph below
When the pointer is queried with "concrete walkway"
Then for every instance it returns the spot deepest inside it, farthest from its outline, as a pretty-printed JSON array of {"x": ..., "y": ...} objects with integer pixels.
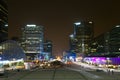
[
  {"x": 92, "y": 67},
  {"x": 91, "y": 72}
]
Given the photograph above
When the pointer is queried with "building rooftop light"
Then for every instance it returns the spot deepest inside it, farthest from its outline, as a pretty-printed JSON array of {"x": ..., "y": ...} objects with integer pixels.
[
  {"x": 71, "y": 35},
  {"x": 6, "y": 25},
  {"x": 77, "y": 23},
  {"x": 90, "y": 22},
  {"x": 118, "y": 26},
  {"x": 31, "y": 25}
]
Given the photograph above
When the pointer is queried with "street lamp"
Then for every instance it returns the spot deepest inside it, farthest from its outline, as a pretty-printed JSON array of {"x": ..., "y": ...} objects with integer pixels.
[{"x": 108, "y": 60}]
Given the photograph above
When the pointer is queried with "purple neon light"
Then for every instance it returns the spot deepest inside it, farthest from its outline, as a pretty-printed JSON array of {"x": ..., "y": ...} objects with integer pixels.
[{"x": 103, "y": 60}]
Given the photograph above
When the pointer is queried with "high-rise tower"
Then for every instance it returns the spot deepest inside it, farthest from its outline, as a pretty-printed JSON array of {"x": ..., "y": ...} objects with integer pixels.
[
  {"x": 3, "y": 20},
  {"x": 83, "y": 33},
  {"x": 32, "y": 41}
]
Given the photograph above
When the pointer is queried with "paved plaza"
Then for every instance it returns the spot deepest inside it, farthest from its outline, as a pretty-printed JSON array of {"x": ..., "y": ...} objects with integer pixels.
[
  {"x": 46, "y": 74},
  {"x": 72, "y": 72},
  {"x": 94, "y": 72}
]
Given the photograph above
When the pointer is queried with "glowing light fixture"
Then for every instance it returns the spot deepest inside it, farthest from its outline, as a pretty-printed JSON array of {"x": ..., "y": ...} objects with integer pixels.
[
  {"x": 31, "y": 25},
  {"x": 6, "y": 25},
  {"x": 90, "y": 22},
  {"x": 71, "y": 35},
  {"x": 118, "y": 26},
  {"x": 77, "y": 23}
]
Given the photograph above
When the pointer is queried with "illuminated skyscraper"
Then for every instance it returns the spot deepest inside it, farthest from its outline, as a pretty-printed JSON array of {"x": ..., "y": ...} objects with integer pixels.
[
  {"x": 83, "y": 33},
  {"x": 3, "y": 20},
  {"x": 114, "y": 40},
  {"x": 107, "y": 44},
  {"x": 32, "y": 41}
]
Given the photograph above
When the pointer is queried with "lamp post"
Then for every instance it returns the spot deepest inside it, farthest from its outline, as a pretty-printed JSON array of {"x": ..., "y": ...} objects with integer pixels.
[{"x": 108, "y": 60}]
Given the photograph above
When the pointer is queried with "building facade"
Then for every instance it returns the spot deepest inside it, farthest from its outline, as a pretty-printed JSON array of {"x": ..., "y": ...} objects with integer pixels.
[
  {"x": 83, "y": 34},
  {"x": 107, "y": 44},
  {"x": 11, "y": 50},
  {"x": 114, "y": 40},
  {"x": 32, "y": 41},
  {"x": 3, "y": 20},
  {"x": 100, "y": 45}
]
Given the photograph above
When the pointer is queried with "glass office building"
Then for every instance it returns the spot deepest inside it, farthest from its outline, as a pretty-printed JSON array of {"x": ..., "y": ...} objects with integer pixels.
[
  {"x": 114, "y": 40},
  {"x": 83, "y": 34},
  {"x": 107, "y": 44},
  {"x": 100, "y": 45},
  {"x": 3, "y": 20},
  {"x": 32, "y": 41}
]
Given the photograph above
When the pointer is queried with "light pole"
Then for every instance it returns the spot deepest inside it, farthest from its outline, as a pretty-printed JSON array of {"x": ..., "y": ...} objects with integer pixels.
[{"x": 107, "y": 62}]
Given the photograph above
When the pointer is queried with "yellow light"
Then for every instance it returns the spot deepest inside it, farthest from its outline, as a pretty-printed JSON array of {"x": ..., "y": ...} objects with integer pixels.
[{"x": 58, "y": 58}]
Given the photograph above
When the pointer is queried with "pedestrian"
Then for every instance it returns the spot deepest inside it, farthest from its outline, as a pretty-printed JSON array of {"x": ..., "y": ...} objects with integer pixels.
[
  {"x": 108, "y": 70},
  {"x": 112, "y": 72},
  {"x": 18, "y": 70}
]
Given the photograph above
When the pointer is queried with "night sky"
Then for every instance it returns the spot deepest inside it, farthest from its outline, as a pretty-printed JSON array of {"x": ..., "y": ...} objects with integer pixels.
[{"x": 58, "y": 16}]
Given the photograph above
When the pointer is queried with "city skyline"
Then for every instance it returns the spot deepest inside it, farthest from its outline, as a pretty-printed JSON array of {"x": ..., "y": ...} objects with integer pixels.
[{"x": 58, "y": 17}]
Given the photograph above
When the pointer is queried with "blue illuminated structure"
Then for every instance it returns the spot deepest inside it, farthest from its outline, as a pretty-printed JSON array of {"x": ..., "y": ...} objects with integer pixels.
[
  {"x": 10, "y": 50},
  {"x": 70, "y": 56}
]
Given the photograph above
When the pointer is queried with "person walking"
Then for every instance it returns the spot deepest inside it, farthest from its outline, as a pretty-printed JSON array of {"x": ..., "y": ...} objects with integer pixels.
[{"x": 112, "y": 72}]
